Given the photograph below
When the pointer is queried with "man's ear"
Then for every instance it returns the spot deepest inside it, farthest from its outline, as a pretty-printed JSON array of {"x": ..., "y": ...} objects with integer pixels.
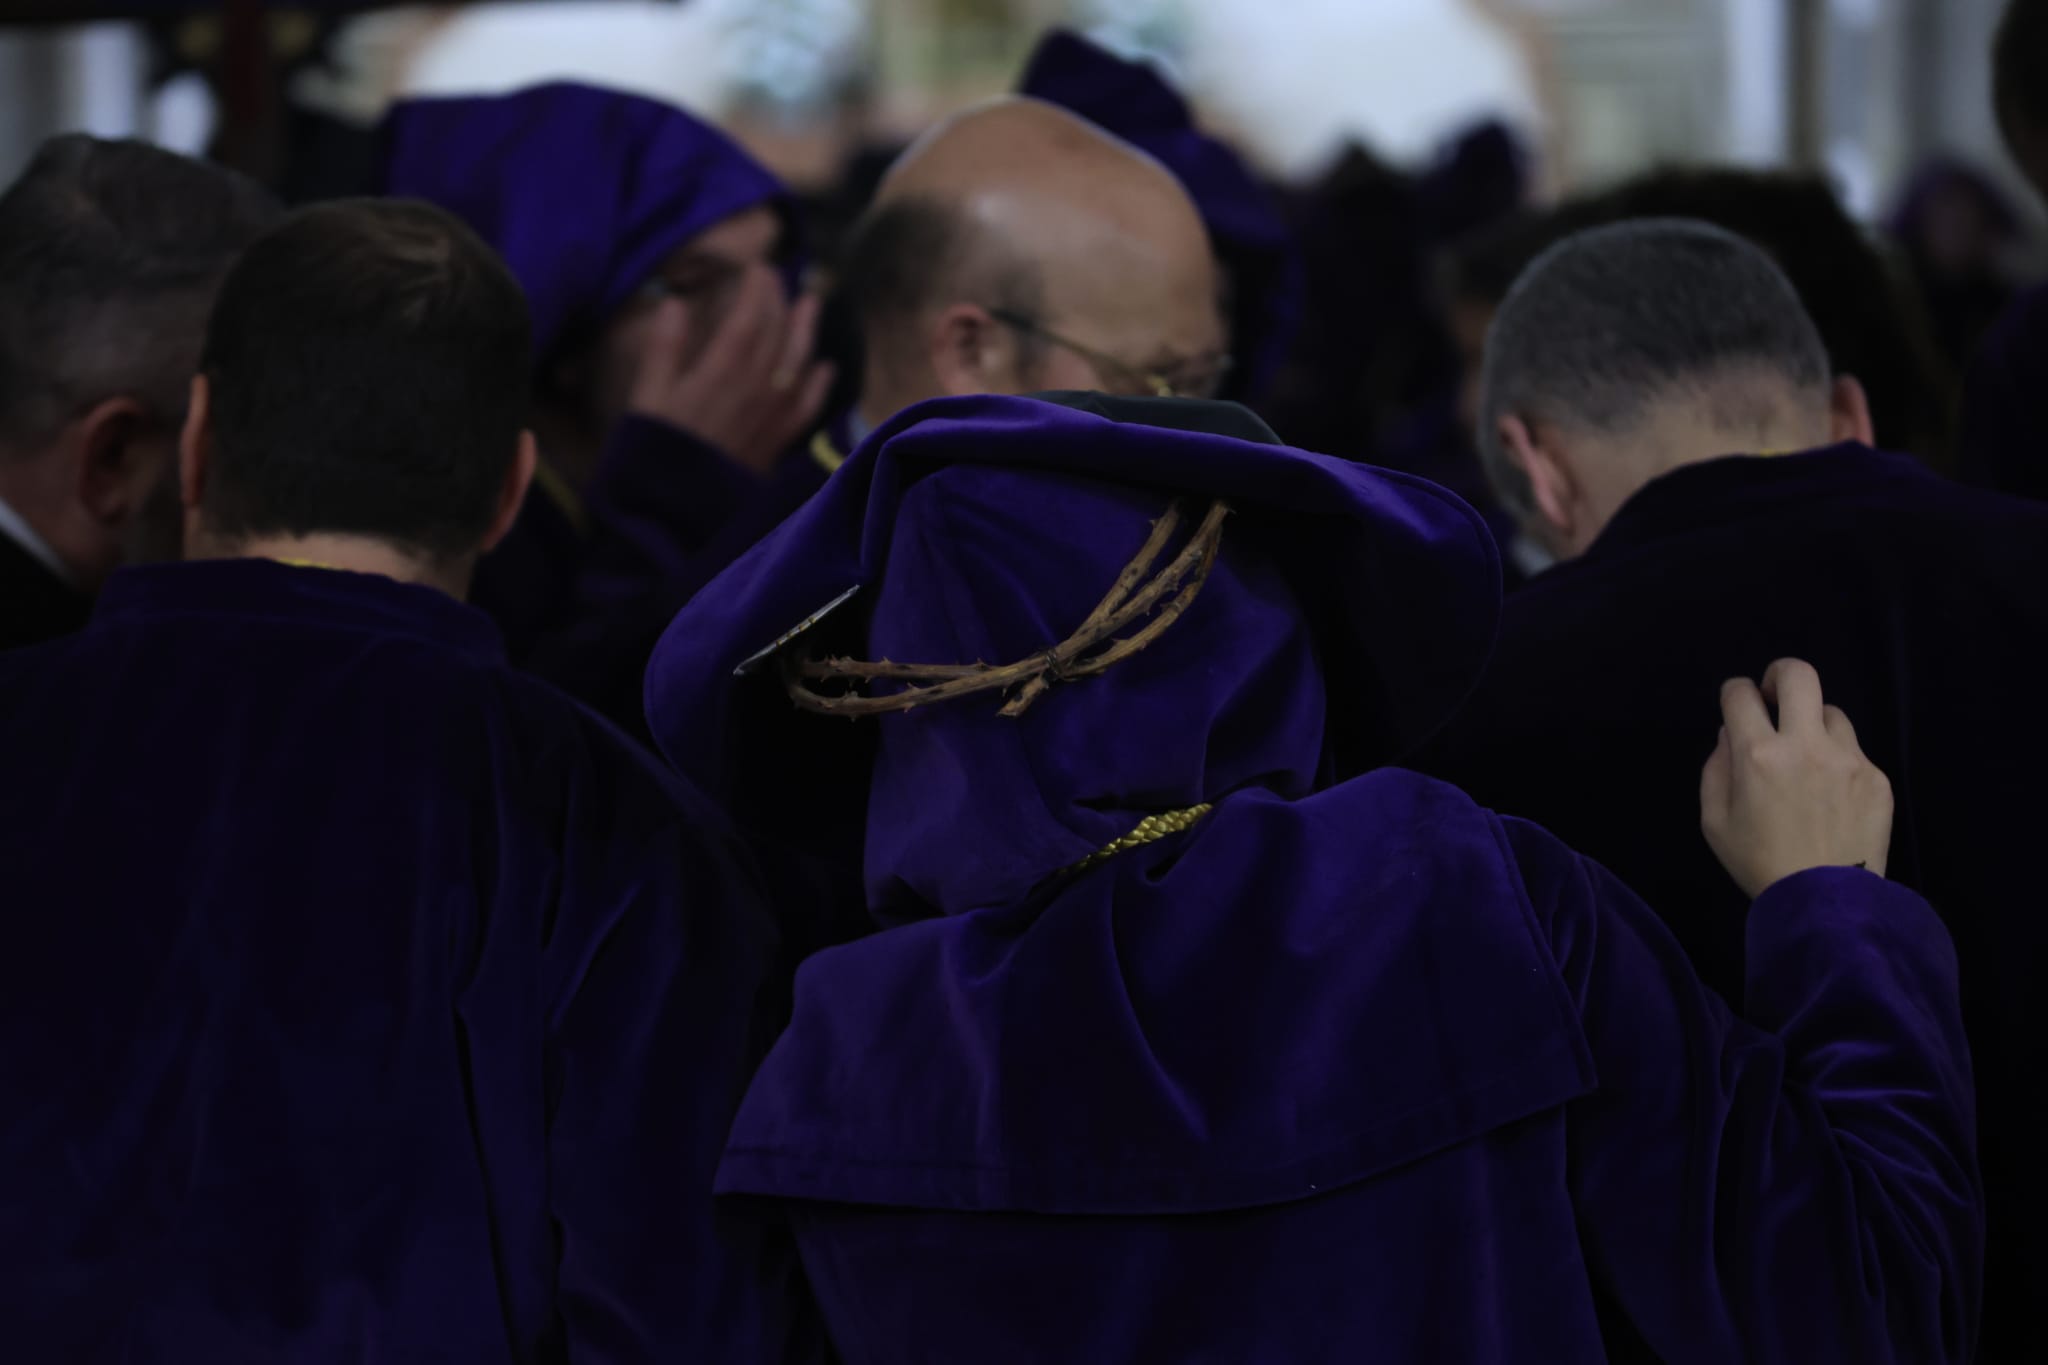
[
  {"x": 1849, "y": 412},
  {"x": 1543, "y": 460},
  {"x": 120, "y": 455},
  {"x": 195, "y": 445},
  {"x": 512, "y": 495},
  {"x": 968, "y": 350}
]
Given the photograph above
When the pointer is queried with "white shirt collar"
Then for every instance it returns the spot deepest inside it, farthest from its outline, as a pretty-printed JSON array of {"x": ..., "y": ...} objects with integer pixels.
[
  {"x": 1525, "y": 554},
  {"x": 16, "y": 529}
]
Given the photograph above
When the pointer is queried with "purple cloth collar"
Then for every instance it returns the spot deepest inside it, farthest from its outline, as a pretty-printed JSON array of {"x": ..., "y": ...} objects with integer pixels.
[
  {"x": 327, "y": 599},
  {"x": 1713, "y": 492}
]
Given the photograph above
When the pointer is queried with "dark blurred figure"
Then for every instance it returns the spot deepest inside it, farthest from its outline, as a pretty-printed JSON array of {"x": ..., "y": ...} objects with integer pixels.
[
  {"x": 363, "y": 998},
  {"x": 673, "y": 372},
  {"x": 829, "y": 220},
  {"x": 1374, "y": 374},
  {"x": 110, "y": 253},
  {"x": 1868, "y": 318},
  {"x": 2005, "y": 408},
  {"x": 1657, "y": 401},
  {"x": 1957, "y": 232},
  {"x": 1262, "y": 276},
  {"x": 2019, "y": 58},
  {"x": 1480, "y": 179}
]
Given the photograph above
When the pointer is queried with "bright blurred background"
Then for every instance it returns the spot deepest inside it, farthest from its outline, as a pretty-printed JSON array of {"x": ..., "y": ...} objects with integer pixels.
[{"x": 1867, "y": 89}]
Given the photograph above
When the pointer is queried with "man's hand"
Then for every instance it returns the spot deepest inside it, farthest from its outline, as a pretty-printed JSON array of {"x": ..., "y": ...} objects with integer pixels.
[
  {"x": 1779, "y": 799},
  {"x": 752, "y": 389}
]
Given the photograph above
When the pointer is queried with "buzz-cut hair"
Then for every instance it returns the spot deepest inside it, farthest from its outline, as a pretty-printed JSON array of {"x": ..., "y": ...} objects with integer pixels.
[
  {"x": 368, "y": 365},
  {"x": 1615, "y": 320}
]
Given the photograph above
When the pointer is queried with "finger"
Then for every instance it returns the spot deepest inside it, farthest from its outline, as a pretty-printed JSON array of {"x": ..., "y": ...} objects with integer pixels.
[
  {"x": 810, "y": 402},
  {"x": 1717, "y": 781},
  {"x": 671, "y": 336},
  {"x": 667, "y": 343},
  {"x": 748, "y": 332},
  {"x": 1839, "y": 727},
  {"x": 1743, "y": 712},
  {"x": 800, "y": 338},
  {"x": 1794, "y": 687},
  {"x": 761, "y": 292}
]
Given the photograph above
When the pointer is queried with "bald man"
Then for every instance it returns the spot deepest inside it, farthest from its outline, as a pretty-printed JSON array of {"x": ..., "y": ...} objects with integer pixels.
[{"x": 1017, "y": 248}]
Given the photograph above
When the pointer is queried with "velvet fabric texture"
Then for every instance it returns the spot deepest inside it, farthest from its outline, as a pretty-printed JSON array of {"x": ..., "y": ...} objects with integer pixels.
[
  {"x": 1919, "y": 602},
  {"x": 1350, "y": 1064},
  {"x": 2005, "y": 403},
  {"x": 583, "y": 191},
  {"x": 1132, "y": 101},
  {"x": 364, "y": 999},
  {"x": 668, "y": 512}
]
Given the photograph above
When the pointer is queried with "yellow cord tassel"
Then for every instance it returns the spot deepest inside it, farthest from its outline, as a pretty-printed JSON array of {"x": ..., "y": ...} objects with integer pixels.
[{"x": 1150, "y": 830}]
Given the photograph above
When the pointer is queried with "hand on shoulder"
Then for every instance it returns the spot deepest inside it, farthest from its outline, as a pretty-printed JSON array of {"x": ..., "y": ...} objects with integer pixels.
[{"x": 1778, "y": 798}]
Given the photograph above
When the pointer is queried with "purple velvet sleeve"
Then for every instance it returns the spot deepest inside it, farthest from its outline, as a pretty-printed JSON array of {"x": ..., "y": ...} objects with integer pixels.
[
  {"x": 1798, "y": 1184},
  {"x": 668, "y": 513},
  {"x": 659, "y": 1005},
  {"x": 659, "y": 496}
]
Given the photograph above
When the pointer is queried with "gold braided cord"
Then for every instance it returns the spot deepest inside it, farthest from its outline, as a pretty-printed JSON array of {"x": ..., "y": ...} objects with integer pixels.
[
  {"x": 1143, "y": 590},
  {"x": 1150, "y": 830},
  {"x": 825, "y": 455}
]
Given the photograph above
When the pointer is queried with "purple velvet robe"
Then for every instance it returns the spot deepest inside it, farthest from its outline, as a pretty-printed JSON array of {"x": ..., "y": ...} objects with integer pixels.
[
  {"x": 1131, "y": 100},
  {"x": 1348, "y": 1068},
  {"x": 1921, "y": 604},
  {"x": 2005, "y": 403},
  {"x": 585, "y": 192},
  {"x": 363, "y": 998}
]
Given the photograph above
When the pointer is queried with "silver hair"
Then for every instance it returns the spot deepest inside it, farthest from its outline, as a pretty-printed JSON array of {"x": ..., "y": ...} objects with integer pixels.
[
  {"x": 110, "y": 252},
  {"x": 1612, "y": 320}
]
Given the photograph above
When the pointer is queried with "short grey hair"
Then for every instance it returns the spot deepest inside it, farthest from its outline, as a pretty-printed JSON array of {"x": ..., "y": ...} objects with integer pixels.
[
  {"x": 1613, "y": 320},
  {"x": 110, "y": 253}
]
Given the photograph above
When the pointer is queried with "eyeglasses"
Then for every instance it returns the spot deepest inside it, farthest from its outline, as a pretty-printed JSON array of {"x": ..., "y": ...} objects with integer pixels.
[{"x": 1198, "y": 378}]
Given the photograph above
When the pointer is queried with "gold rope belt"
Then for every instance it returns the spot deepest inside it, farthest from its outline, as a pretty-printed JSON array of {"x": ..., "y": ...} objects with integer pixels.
[{"x": 1150, "y": 830}]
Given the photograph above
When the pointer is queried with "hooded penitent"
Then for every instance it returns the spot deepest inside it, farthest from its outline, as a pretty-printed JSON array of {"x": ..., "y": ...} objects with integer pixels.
[
  {"x": 1176, "y": 1026},
  {"x": 1347, "y": 612},
  {"x": 584, "y": 191}
]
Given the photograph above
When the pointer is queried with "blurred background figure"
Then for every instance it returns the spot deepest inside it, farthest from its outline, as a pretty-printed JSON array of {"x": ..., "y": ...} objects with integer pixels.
[
  {"x": 2006, "y": 407},
  {"x": 1958, "y": 232}
]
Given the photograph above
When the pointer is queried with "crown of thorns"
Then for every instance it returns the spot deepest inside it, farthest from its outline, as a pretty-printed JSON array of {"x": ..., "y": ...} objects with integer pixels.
[{"x": 1099, "y": 644}]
